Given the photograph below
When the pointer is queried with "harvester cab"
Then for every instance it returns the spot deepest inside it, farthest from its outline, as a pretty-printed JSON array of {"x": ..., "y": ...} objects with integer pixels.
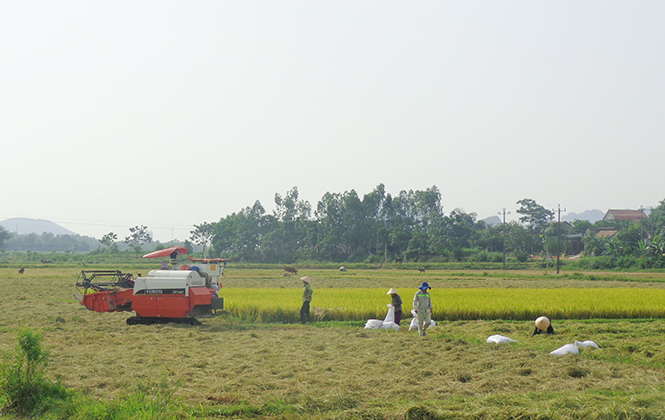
[{"x": 180, "y": 293}]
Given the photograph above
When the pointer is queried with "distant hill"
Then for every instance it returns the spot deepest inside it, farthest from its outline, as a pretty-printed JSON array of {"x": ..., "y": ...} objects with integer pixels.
[
  {"x": 26, "y": 226},
  {"x": 590, "y": 215},
  {"x": 492, "y": 221}
]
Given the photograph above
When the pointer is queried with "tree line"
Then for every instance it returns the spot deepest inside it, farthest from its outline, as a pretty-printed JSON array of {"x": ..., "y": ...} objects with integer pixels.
[
  {"x": 378, "y": 227},
  {"x": 46, "y": 242},
  {"x": 410, "y": 226}
]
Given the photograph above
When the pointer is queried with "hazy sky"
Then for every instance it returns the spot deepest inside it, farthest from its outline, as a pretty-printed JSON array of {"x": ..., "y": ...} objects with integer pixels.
[{"x": 173, "y": 113}]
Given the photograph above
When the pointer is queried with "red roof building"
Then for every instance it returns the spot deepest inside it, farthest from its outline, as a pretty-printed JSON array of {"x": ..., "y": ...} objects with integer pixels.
[
  {"x": 635, "y": 215},
  {"x": 605, "y": 233}
]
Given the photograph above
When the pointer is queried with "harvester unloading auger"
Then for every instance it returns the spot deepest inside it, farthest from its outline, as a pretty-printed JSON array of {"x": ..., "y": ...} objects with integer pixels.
[{"x": 180, "y": 293}]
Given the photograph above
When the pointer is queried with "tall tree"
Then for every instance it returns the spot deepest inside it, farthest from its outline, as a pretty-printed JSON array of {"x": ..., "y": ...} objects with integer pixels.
[
  {"x": 581, "y": 226},
  {"x": 284, "y": 242},
  {"x": 410, "y": 212},
  {"x": 376, "y": 212},
  {"x": 203, "y": 235},
  {"x": 138, "y": 235},
  {"x": 354, "y": 225},
  {"x": 4, "y": 235},
  {"x": 630, "y": 238},
  {"x": 594, "y": 246},
  {"x": 331, "y": 223},
  {"x": 656, "y": 221},
  {"x": 109, "y": 240},
  {"x": 655, "y": 253},
  {"x": 455, "y": 232},
  {"x": 534, "y": 215},
  {"x": 418, "y": 245},
  {"x": 520, "y": 240},
  {"x": 536, "y": 218},
  {"x": 239, "y": 235},
  {"x": 490, "y": 238},
  {"x": 428, "y": 206}
]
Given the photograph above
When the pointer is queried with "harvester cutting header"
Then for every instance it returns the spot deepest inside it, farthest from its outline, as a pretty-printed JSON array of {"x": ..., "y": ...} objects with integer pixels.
[{"x": 180, "y": 293}]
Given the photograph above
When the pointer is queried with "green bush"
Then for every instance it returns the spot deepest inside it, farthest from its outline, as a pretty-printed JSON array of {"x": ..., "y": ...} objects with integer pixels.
[
  {"x": 627, "y": 262},
  {"x": 606, "y": 262},
  {"x": 374, "y": 259},
  {"x": 485, "y": 256},
  {"x": 24, "y": 388},
  {"x": 521, "y": 256}
]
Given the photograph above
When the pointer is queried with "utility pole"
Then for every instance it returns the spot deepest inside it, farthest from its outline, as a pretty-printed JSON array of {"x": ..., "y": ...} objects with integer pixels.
[
  {"x": 558, "y": 236},
  {"x": 503, "y": 228},
  {"x": 644, "y": 237},
  {"x": 650, "y": 233},
  {"x": 643, "y": 242}
]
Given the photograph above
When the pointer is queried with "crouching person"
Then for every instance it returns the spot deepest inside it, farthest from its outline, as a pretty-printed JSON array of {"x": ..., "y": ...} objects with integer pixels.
[{"x": 543, "y": 324}]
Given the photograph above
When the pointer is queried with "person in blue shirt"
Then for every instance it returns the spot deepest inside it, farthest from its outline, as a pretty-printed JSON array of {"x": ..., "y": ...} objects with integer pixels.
[{"x": 422, "y": 305}]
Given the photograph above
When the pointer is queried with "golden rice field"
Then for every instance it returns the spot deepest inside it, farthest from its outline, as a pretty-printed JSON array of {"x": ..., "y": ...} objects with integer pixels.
[
  {"x": 268, "y": 296},
  {"x": 331, "y": 304}
]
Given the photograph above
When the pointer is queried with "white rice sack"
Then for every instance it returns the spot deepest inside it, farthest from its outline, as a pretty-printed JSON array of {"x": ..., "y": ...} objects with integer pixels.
[
  {"x": 414, "y": 324},
  {"x": 389, "y": 326},
  {"x": 568, "y": 348},
  {"x": 498, "y": 339},
  {"x": 587, "y": 343},
  {"x": 373, "y": 324},
  {"x": 390, "y": 316}
]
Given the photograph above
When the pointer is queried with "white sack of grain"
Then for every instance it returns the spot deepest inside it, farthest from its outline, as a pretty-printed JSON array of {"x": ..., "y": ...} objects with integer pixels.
[
  {"x": 568, "y": 348},
  {"x": 414, "y": 321},
  {"x": 498, "y": 339},
  {"x": 373, "y": 324},
  {"x": 389, "y": 321},
  {"x": 387, "y": 324},
  {"x": 587, "y": 343}
]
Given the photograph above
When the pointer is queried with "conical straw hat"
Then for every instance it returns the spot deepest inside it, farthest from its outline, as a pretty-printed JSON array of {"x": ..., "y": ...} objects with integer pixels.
[{"x": 542, "y": 322}]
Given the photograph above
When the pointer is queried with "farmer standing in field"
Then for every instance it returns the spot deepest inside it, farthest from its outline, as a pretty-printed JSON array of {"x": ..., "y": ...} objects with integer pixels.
[
  {"x": 306, "y": 299},
  {"x": 422, "y": 305},
  {"x": 397, "y": 304}
]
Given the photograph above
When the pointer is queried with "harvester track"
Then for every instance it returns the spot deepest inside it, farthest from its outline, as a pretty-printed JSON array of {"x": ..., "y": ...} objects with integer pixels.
[{"x": 139, "y": 320}]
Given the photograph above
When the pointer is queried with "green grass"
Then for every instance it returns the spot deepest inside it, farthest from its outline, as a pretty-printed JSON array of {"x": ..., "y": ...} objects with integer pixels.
[{"x": 233, "y": 368}]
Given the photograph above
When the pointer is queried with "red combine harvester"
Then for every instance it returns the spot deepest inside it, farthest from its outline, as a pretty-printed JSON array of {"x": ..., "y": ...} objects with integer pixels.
[{"x": 180, "y": 293}]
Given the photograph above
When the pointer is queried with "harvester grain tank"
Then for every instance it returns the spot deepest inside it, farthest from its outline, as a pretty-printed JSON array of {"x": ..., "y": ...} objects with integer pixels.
[{"x": 180, "y": 293}]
